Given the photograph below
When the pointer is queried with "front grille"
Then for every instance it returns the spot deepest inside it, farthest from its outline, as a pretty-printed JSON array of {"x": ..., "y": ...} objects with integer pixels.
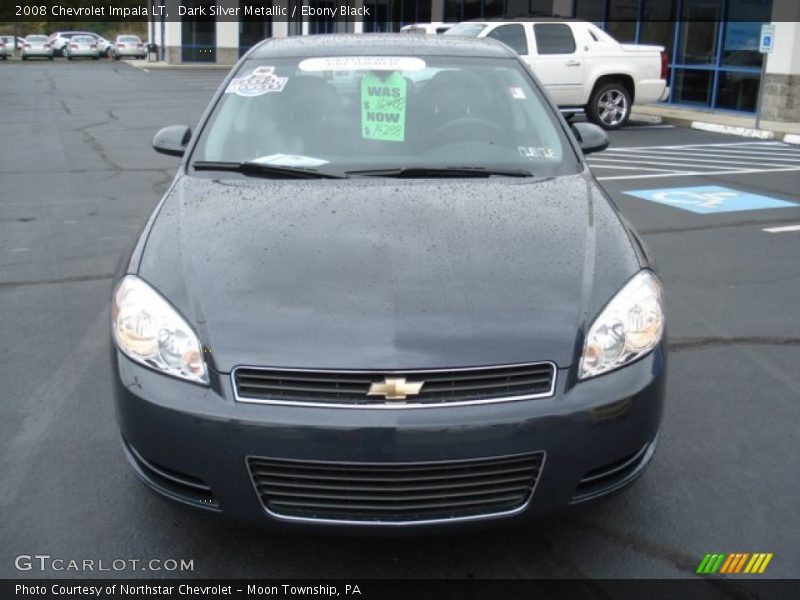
[
  {"x": 451, "y": 386},
  {"x": 395, "y": 492}
]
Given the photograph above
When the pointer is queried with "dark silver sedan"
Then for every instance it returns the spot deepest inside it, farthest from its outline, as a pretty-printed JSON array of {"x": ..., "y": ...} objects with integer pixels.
[{"x": 385, "y": 290}]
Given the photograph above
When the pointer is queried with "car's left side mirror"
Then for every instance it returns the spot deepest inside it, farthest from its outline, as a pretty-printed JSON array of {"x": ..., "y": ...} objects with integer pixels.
[
  {"x": 590, "y": 137},
  {"x": 172, "y": 140}
]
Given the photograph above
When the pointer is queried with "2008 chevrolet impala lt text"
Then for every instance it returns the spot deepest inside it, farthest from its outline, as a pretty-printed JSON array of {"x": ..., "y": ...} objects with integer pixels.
[{"x": 385, "y": 290}]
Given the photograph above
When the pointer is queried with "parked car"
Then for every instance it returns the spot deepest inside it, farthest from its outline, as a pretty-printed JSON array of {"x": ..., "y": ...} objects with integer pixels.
[
  {"x": 36, "y": 46},
  {"x": 7, "y": 44},
  {"x": 424, "y": 311},
  {"x": 426, "y": 28},
  {"x": 583, "y": 68},
  {"x": 129, "y": 46},
  {"x": 60, "y": 39},
  {"x": 104, "y": 46},
  {"x": 82, "y": 46}
]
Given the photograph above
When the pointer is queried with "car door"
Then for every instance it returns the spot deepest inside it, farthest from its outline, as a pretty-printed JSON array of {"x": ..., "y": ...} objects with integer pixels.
[{"x": 558, "y": 62}]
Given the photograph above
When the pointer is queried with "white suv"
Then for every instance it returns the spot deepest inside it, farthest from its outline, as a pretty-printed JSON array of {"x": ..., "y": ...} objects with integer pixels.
[{"x": 581, "y": 66}]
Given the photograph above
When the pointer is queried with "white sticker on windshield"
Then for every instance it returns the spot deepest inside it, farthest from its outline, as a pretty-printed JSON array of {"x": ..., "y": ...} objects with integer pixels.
[
  {"x": 517, "y": 93},
  {"x": 290, "y": 160},
  {"x": 261, "y": 81},
  {"x": 537, "y": 152},
  {"x": 365, "y": 63}
]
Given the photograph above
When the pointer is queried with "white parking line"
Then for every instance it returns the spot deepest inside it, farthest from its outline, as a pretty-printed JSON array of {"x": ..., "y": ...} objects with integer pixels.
[
  {"x": 690, "y": 159},
  {"x": 726, "y": 154},
  {"x": 697, "y": 159},
  {"x": 782, "y": 229},
  {"x": 662, "y": 163},
  {"x": 692, "y": 173}
]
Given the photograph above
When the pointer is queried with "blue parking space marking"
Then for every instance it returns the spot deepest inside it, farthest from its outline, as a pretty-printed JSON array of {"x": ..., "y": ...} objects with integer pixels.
[{"x": 707, "y": 199}]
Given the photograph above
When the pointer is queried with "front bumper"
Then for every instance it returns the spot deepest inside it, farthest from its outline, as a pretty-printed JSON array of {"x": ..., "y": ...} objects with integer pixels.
[{"x": 191, "y": 443}]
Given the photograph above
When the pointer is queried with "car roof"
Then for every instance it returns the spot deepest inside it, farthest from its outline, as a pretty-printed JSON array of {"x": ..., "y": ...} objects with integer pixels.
[
  {"x": 379, "y": 44},
  {"x": 496, "y": 20}
]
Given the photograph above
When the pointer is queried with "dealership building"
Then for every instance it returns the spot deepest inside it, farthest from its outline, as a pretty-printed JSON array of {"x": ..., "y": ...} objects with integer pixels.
[{"x": 713, "y": 45}]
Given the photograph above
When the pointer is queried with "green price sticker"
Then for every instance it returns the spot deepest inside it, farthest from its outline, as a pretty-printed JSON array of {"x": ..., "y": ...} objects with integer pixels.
[{"x": 383, "y": 108}]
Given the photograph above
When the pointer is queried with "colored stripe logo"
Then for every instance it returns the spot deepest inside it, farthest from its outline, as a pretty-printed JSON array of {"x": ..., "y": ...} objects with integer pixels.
[{"x": 737, "y": 562}]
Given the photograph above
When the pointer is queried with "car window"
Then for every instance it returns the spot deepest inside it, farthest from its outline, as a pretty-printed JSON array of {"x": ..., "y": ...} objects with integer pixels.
[
  {"x": 130, "y": 39},
  {"x": 466, "y": 29},
  {"x": 554, "y": 38},
  {"x": 512, "y": 36},
  {"x": 36, "y": 38},
  {"x": 357, "y": 113},
  {"x": 83, "y": 39}
]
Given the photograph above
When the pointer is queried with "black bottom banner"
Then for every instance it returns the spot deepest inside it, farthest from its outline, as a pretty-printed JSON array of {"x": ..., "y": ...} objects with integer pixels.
[{"x": 411, "y": 589}]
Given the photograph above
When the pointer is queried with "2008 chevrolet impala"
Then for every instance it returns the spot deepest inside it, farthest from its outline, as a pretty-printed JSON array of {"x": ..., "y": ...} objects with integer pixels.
[{"x": 385, "y": 290}]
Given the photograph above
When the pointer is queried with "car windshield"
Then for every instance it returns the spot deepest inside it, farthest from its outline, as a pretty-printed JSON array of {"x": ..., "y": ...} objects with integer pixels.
[
  {"x": 466, "y": 29},
  {"x": 83, "y": 39},
  {"x": 340, "y": 114},
  {"x": 130, "y": 39},
  {"x": 38, "y": 39}
]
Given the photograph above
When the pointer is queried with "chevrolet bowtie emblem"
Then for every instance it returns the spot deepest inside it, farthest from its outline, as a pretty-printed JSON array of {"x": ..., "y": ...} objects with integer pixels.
[{"x": 395, "y": 388}]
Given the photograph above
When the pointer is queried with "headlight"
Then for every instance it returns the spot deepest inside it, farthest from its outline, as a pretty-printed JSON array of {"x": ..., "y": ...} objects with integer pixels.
[
  {"x": 630, "y": 326},
  {"x": 148, "y": 330}
]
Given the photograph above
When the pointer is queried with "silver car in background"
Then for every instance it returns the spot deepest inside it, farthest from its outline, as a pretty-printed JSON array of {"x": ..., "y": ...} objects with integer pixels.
[
  {"x": 129, "y": 46},
  {"x": 37, "y": 46},
  {"x": 104, "y": 46},
  {"x": 82, "y": 46},
  {"x": 7, "y": 44}
]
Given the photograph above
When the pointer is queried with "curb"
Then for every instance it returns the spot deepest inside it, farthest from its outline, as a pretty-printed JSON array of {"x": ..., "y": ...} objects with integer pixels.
[{"x": 734, "y": 130}]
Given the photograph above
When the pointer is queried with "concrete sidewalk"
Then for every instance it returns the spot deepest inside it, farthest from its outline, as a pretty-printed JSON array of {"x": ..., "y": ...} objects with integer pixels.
[{"x": 722, "y": 122}]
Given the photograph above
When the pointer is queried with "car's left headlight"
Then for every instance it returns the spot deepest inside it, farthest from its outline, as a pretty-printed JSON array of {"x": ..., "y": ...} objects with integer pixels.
[
  {"x": 150, "y": 331},
  {"x": 630, "y": 326}
]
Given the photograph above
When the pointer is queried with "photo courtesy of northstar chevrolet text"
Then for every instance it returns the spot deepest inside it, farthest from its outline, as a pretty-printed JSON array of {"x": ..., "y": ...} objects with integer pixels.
[{"x": 334, "y": 290}]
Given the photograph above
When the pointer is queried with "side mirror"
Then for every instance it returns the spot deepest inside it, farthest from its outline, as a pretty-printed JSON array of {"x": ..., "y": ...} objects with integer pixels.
[
  {"x": 590, "y": 137},
  {"x": 172, "y": 140}
]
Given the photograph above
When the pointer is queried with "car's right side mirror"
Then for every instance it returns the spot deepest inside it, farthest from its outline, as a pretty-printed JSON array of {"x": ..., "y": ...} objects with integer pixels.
[
  {"x": 172, "y": 140},
  {"x": 590, "y": 137}
]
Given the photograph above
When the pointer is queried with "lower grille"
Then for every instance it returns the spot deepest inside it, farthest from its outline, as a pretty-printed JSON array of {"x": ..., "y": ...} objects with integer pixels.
[
  {"x": 178, "y": 486},
  {"x": 395, "y": 492},
  {"x": 613, "y": 475},
  {"x": 351, "y": 388}
]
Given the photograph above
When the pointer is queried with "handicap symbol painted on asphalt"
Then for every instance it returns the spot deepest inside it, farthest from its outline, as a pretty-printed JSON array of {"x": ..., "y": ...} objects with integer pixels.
[{"x": 710, "y": 199}]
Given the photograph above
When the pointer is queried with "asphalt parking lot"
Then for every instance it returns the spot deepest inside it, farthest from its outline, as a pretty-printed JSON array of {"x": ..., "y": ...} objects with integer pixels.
[{"x": 78, "y": 180}]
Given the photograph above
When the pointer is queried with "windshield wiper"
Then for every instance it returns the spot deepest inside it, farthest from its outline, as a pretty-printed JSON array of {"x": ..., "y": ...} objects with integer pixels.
[
  {"x": 412, "y": 172},
  {"x": 264, "y": 170}
]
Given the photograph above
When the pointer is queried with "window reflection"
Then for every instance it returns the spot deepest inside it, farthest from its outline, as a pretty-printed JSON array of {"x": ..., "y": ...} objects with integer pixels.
[
  {"x": 737, "y": 91},
  {"x": 658, "y": 24},
  {"x": 693, "y": 86},
  {"x": 699, "y": 29}
]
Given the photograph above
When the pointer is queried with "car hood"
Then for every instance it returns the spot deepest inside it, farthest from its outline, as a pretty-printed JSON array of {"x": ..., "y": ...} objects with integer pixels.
[{"x": 385, "y": 273}]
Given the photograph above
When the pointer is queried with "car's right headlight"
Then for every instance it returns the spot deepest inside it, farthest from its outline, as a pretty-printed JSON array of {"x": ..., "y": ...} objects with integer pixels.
[
  {"x": 630, "y": 326},
  {"x": 150, "y": 331}
]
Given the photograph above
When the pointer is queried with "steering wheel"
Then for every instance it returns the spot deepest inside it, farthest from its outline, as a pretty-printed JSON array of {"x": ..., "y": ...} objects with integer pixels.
[{"x": 468, "y": 127}]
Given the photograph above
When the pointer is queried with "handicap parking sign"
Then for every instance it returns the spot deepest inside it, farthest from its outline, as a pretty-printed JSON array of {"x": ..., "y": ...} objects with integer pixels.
[{"x": 710, "y": 199}]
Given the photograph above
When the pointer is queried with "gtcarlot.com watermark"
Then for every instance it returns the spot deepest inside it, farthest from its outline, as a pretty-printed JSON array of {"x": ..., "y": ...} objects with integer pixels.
[{"x": 48, "y": 563}]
